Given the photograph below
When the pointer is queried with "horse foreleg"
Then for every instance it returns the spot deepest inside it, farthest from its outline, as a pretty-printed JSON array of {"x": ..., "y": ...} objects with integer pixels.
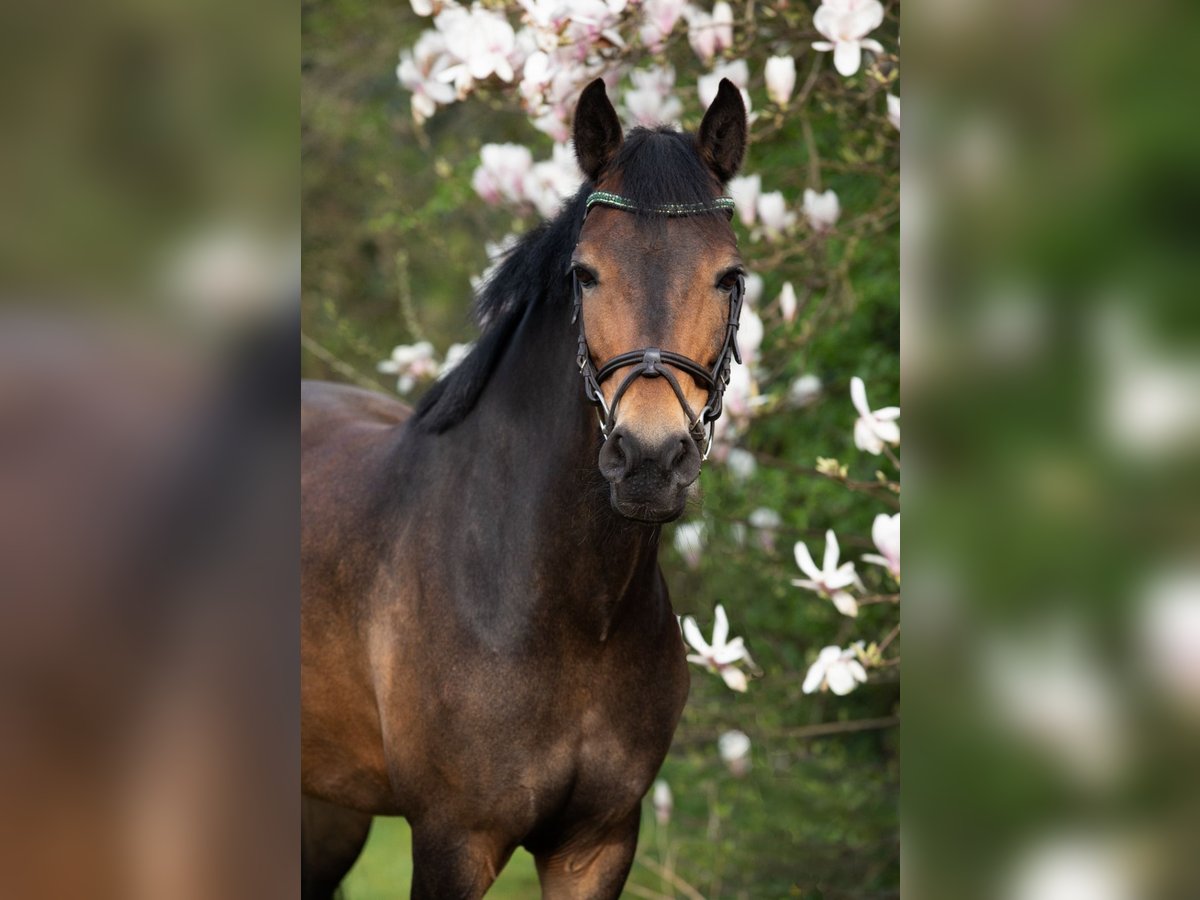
[
  {"x": 331, "y": 838},
  {"x": 453, "y": 864},
  {"x": 590, "y": 866}
]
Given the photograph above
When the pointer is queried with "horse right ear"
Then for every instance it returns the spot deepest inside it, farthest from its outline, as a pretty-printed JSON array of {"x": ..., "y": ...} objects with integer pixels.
[{"x": 598, "y": 134}]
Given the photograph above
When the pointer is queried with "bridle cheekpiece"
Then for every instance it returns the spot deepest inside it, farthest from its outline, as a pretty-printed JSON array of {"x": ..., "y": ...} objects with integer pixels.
[{"x": 653, "y": 362}]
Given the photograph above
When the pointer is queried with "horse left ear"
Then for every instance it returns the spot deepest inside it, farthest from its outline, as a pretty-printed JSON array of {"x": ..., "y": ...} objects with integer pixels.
[
  {"x": 722, "y": 135},
  {"x": 597, "y": 130}
]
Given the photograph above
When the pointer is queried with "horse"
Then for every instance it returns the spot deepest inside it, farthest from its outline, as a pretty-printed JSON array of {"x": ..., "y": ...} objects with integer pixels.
[{"x": 488, "y": 648}]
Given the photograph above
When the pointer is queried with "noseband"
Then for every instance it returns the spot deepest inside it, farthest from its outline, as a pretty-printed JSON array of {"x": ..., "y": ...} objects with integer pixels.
[{"x": 653, "y": 362}]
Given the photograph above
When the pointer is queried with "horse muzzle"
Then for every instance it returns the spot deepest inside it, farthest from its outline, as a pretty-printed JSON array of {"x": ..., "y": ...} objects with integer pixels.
[{"x": 649, "y": 481}]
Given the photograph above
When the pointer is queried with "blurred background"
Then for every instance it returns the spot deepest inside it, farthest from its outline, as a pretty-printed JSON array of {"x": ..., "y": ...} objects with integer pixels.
[{"x": 773, "y": 792}]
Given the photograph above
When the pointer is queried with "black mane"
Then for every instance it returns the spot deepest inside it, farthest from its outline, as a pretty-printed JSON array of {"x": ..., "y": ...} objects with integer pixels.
[{"x": 656, "y": 167}]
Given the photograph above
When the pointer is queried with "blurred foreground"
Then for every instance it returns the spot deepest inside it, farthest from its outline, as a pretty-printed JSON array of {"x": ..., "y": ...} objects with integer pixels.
[
  {"x": 148, "y": 284},
  {"x": 1052, "y": 385}
]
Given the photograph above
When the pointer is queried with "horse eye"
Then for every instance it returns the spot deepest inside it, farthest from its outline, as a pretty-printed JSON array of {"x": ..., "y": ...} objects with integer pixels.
[
  {"x": 584, "y": 277},
  {"x": 729, "y": 281}
]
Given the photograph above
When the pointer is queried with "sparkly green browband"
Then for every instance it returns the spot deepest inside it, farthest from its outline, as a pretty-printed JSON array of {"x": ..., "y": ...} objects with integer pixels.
[{"x": 604, "y": 198}]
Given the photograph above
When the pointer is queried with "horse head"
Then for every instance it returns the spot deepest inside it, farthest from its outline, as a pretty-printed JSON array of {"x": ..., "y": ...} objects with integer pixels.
[{"x": 658, "y": 286}]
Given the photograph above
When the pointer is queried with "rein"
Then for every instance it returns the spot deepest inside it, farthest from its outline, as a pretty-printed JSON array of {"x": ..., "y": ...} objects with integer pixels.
[{"x": 652, "y": 362}]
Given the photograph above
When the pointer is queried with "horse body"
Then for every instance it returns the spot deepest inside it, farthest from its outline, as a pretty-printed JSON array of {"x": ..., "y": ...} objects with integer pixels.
[
  {"x": 514, "y": 679},
  {"x": 487, "y": 644}
]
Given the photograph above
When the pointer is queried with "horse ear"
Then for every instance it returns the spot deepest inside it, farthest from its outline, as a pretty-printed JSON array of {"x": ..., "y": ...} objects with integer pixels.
[
  {"x": 722, "y": 135},
  {"x": 598, "y": 134}
]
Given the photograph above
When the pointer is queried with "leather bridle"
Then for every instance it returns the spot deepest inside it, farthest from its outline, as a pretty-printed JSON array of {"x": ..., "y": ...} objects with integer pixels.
[{"x": 653, "y": 362}]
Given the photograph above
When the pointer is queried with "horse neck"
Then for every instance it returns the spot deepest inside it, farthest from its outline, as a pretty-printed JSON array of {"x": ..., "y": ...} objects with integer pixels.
[{"x": 560, "y": 527}]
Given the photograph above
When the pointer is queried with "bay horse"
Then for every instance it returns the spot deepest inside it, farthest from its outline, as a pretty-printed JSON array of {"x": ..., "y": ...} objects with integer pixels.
[{"x": 487, "y": 644}]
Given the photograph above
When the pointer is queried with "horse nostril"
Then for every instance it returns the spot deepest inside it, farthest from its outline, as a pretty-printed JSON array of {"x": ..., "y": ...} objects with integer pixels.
[
  {"x": 615, "y": 459},
  {"x": 681, "y": 450}
]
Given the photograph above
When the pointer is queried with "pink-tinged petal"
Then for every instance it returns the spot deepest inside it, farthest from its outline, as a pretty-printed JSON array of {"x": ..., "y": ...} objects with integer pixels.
[
  {"x": 840, "y": 679},
  {"x": 735, "y": 679},
  {"x": 822, "y": 45},
  {"x": 807, "y": 584},
  {"x": 858, "y": 396},
  {"x": 832, "y": 552},
  {"x": 829, "y": 654},
  {"x": 805, "y": 561},
  {"x": 876, "y": 559},
  {"x": 856, "y": 669},
  {"x": 841, "y": 578},
  {"x": 699, "y": 660},
  {"x": 847, "y": 57},
  {"x": 720, "y": 628},
  {"x": 866, "y": 18},
  {"x": 825, "y": 21},
  {"x": 845, "y": 603},
  {"x": 865, "y": 437},
  {"x": 693, "y": 635},
  {"x": 887, "y": 414},
  {"x": 871, "y": 44}
]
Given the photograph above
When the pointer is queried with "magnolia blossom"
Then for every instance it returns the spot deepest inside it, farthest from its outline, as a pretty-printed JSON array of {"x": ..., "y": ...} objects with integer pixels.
[
  {"x": 836, "y": 669},
  {"x": 422, "y": 7},
  {"x": 765, "y": 520},
  {"x": 874, "y": 428},
  {"x": 722, "y": 656},
  {"x": 737, "y": 72},
  {"x": 741, "y": 463},
  {"x": 689, "y": 542},
  {"x": 804, "y": 390},
  {"x": 502, "y": 173},
  {"x": 481, "y": 40},
  {"x": 886, "y": 534},
  {"x": 410, "y": 363},
  {"x": 734, "y": 747},
  {"x": 663, "y": 802},
  {"x": 893, "y": 109},
  {"x": 774, "y": 216},
  {"x": 846, "y": 24},
  {"x": 745, "y": 190},
  {"x": 821, "y": 210},
  {"x": 651, "y": 100},
  {"x": 553, "y": 180},
  {"x": 710, "y": 33},
  {"x": 420, "y": 71},
  {"x": 754, "y": 289},
  {"x": 780, "y": 73},
  {"x": 659, "y": 20},
  {"x": 832, "y": 579},
  {"x": 787, "y": 302}
]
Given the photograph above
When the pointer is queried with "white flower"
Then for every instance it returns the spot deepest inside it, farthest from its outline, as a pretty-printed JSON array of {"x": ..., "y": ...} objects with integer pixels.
[
  {"x": 740, "y": 463},
  {"x": 659, "y": 19},
  {"x": 502, "y": 173},
  {"x": 886, "y": 534},
  {"x": 804, "y": 390},
  {"x": 689, "y": 542},
  {"x": 734, "y": 747},
  {"x": 765, "y": 520},
  {"x": 722, "y": 656},
  {"x": 787, "y": 302},
  {"x": 893, "y": 109},
  {"x": 651, "y": 106},
  {"x": 422, "y": 7},
  {"x": 410, "y": 363},
  {"x": 837, "y": 669},
  {"x": 846, "y": 23},
  {"x": 821, "y": 210},
  {"x": 745, "y": 190},
  {"x": 737, "y": 72},
  {"x": 482, "y": 40},
  {"x": 553, "y": 180},
  {"x": 710, "y": 33},
  {"x": 781, "y": 79},
  {"x": 831, "y": 577},
  {"x": 773, "y": 215},
  {"x": 420, "y": 71},
  {"x": 663, "y": 802},
  {"x": 754, "y": 288},
  {"x": 874, "y": 428}
]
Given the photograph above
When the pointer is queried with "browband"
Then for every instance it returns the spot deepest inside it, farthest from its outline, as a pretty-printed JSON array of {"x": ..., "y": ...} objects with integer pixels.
[{"x": 604, "y": 198}]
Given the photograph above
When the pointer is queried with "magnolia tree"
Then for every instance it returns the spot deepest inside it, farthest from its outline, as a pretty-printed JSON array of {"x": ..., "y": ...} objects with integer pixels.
[{"x": 819, "y": 82}]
